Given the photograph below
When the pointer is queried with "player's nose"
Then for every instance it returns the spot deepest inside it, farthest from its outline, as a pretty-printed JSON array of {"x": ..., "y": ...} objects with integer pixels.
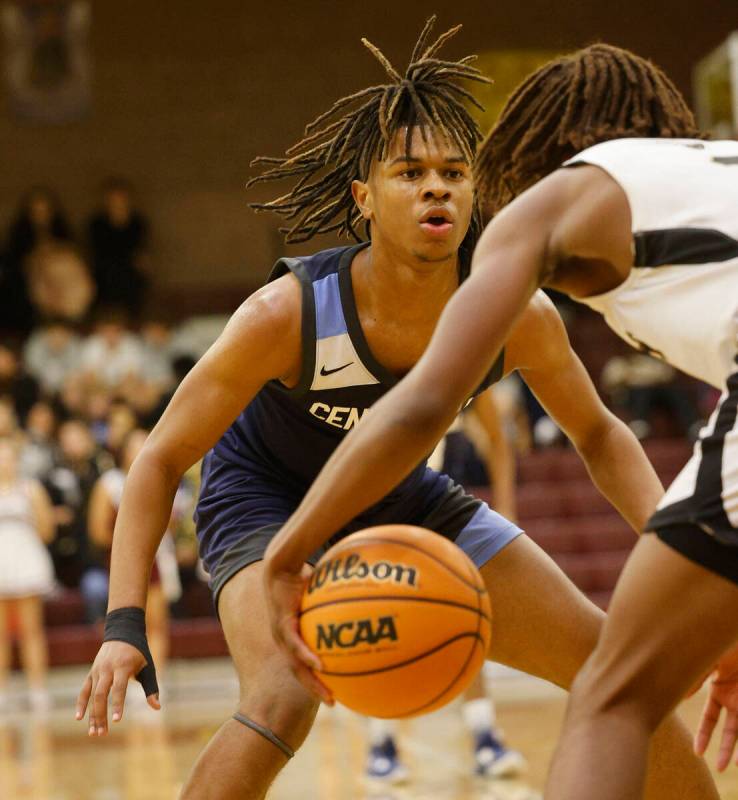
[{"x": 436, "y": 189}]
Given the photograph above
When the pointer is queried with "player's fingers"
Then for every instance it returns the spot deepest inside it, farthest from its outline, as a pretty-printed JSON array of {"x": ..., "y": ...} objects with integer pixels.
[
  {"x": 301, "y": 651},
  {"x": 154, "y": 702},
  {"x": 118, "y": 694},
  {"x": 309, "y": 680},
  {"x": 727, "y": 742},
  {"x": 296, "y": 644},
  {"x": 83, "y": 697},
  {"x": 710, "y": 716},
  {"x": 100, "y": 702},
  {"x": 92, "y": 727}
]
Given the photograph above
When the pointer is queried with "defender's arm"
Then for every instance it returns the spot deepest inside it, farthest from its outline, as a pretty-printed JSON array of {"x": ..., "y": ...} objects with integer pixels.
[{"x": 539, "y": 348}]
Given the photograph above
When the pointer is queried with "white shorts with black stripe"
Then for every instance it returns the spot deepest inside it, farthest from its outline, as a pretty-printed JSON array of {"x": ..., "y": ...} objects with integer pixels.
[{"x": 705, "y": 493}]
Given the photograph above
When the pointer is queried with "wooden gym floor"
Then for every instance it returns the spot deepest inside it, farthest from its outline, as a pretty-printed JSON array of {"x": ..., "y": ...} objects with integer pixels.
[{"x": 148, "y": 755}]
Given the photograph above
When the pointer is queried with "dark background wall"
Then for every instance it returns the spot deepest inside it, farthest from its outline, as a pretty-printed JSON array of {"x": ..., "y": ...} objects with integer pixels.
[{"x": 187, "y": 93}]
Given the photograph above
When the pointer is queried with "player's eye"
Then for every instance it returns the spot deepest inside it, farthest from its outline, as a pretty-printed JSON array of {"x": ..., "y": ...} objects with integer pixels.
[{"x": 411, "y": 173}]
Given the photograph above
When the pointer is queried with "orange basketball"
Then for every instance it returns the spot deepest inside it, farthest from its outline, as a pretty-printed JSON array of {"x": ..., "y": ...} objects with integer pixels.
[{"x": 399, "y": 618}]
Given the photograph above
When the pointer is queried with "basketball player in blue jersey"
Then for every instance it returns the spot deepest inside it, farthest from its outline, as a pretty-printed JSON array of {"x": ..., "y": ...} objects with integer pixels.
[
  {"x": 294, "y": 372},
  {"x": 641, "y": 224}
]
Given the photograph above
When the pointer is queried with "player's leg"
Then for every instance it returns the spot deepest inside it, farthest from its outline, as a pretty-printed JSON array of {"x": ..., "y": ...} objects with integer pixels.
[
  {"x": 670, "y": 620},
  {"x": 33, "y": 648},
  {"x": 241, "y": 762},
  {"x": 545, "y": 626}
]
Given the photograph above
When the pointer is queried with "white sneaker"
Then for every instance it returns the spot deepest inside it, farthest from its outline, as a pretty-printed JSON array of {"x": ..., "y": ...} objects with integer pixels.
[
  {"x": 383, "y": 764},
  {"x": 492, "y": 758}
]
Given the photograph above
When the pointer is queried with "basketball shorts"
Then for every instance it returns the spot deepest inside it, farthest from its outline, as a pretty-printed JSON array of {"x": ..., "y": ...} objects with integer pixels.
[
  {"x": 238, "y": 514},
  {"x": 698, "y": 515}
]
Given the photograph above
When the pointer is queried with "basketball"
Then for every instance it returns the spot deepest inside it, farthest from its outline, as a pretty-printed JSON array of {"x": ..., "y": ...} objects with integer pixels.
[{"x": 399, "y": 617}]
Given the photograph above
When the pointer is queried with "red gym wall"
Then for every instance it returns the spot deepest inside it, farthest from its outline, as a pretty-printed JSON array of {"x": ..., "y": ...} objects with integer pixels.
[{"x": 186, "y": 94}]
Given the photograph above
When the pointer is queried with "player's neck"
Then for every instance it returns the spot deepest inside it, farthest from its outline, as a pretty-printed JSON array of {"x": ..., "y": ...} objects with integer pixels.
[{"x": 403, "y": 287}]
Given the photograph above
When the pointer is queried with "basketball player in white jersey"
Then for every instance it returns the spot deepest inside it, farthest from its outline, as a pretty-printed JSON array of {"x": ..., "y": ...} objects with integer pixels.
[{"x": 641, "y": 223}]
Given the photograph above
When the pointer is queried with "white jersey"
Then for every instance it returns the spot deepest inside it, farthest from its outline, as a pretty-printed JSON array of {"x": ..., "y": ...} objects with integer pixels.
[{"x": 680, "y": 300}]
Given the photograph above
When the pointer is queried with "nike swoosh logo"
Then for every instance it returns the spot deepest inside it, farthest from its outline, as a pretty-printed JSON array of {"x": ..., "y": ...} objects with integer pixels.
[{"x": 324, "y": 371}]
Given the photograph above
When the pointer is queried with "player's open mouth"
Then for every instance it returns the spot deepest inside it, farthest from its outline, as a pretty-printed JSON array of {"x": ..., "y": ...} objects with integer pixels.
[{"x": 436, "y": 222}]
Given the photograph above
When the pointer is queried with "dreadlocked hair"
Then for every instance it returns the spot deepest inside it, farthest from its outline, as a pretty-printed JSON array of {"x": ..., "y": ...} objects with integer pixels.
[
  {"x": 591, "y": 96},
  {"x": 339, "y": 148}
]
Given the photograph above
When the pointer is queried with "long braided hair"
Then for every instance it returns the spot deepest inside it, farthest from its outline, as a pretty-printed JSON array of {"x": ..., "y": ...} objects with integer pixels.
[
  {"x": 573, "y": 102},
  {"x": 334, "y": 153}
]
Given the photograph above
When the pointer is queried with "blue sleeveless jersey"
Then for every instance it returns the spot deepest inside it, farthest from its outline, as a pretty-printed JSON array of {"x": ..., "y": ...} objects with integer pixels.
[
  {"x": 268, "y": 458},
  {"x": 289, "y": 434}
]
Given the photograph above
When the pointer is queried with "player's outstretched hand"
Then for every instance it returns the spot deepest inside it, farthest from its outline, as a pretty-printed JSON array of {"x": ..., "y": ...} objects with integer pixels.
[
  {"x": 284, "y": 592},
  {"x": 115, "y": 664},
  {"x": 723, "y": 695}
]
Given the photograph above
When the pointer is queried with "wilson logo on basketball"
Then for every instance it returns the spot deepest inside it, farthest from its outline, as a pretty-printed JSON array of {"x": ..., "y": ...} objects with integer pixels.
[
  {"x": 354, "y": 567},
  {"x": 353, "y": 633}
]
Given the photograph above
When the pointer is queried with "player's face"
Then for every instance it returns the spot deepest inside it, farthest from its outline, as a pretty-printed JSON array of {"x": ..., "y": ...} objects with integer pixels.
[{"x": 419, "y": 201}]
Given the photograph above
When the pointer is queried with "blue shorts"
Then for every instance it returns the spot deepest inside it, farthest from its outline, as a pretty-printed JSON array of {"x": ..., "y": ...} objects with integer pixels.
[{"x": 240, "y": 511}]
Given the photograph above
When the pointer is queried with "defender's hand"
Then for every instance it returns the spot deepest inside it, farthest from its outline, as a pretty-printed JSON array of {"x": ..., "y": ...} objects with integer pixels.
[
  {"x": 723, "y": 695},
  {"x": 115, "y": 664},
  {"x": 284, "y": 592}
]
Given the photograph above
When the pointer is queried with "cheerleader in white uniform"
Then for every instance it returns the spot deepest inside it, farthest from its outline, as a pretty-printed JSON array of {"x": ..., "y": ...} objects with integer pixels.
[{"x": 26, "y": 572}]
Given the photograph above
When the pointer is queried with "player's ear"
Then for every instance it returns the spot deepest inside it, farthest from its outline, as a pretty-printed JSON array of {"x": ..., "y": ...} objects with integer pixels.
[{"x": 362, "y": 198}]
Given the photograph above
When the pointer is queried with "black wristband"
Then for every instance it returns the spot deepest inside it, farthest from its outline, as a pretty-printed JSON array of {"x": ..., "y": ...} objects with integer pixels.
[{"x": 129, "y": 625}]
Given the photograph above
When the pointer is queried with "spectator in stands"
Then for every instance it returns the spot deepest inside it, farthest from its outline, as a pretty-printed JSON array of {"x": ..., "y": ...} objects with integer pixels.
[
  {"x": 165, "y": 584},
  {"x": 95, "y": 408},
  {"x": 69, "y": 484},
  {"x": 15, "y": 383},
  {"x": 181, "y": 365},
  {"x": 112, "y": 357},
  {"x": 39, "y": 220},
  {"x": 26, "y": 573},
  {"x": 37, "y": 458},
  {"x": 121, "y": 422},
  {"x": 156, "y": 337},
  {"x": 639, "y": 383},
  {"x": 59, "y": 283},
  {"x": 52, "y": 356},
  {"x": 118, "y": 236},
  {"x": 9, "y": 421}
]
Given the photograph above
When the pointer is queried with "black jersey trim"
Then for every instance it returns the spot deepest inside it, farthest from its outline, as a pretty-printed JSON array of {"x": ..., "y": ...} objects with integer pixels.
[
  {"x": 308, "y": 323},
  {"x": 683, "y": 247},
  {"x": 353, "y": 324},
  {"x": 705, "y": 506}
]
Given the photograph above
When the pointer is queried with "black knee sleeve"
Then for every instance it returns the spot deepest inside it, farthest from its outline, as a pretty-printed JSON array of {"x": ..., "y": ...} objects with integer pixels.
[{"x": 270, "y": 736}]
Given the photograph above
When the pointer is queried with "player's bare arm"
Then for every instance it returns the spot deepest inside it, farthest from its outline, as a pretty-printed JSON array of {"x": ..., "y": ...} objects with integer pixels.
[
  {"x": 539, "y": 348},
  {"x": 260, "y": 343}
]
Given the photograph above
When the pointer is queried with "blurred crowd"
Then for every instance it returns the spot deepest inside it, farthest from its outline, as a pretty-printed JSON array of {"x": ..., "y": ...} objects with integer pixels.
[
  {"x": 85, "y": 373},
  {"x": 49, "y": 270}
]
